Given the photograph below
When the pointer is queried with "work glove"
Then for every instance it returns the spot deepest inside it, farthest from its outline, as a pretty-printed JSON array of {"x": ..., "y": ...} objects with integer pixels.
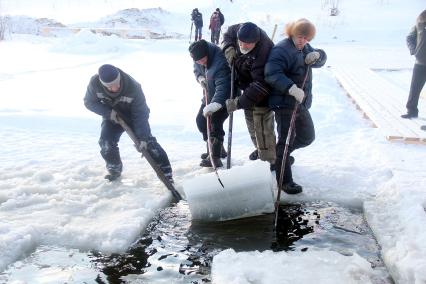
[
  {"x": 143, "y": 145},
  {"x": 297, "y": 93},
  {"x": 211, "y": 108},
  {"x": 203, "y": 82},
  {"x": 230, "y": 55},
  {"x": 231, "y": 105},
  {"x": 113, "y": 116},
  {"x": 312, "y": 57}
]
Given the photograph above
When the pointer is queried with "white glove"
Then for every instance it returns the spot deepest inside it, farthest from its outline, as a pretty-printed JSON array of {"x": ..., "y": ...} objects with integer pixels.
[
  {"x": 203, "y": 82},
  {"x": 297, "y": 93},
  {"x": 211, "y": 108},
  {"x": 312, "y": 57},
  {"x": 113, "y": 116}
]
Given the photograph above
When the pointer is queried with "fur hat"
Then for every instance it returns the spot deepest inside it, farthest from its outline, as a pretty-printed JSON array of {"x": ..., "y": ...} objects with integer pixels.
[
  {"x": 301, "y": 27},
  {"x": 109, "y": 75},
  {"x": 198, "y": 49},
  {"x": 248, "y": 33}
]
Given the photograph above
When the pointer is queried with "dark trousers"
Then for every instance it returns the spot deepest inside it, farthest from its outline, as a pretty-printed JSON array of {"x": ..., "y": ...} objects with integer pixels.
[
  {"x": 215, "y": 35},
  {"x": 418, "y": 80},
  {"x": 198, "y": 34},
  {"x": 216, "y": 131},
  {"x": 302, "y": 136},
  {"x": 110, "y": 136}
]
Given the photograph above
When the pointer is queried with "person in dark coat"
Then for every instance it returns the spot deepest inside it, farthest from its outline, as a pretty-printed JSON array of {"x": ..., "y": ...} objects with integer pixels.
[
  {"x": 212, "y": 72},
  {"x": 247, "y": 47},
  {"x": 416, "y": 42},
  {"x": 113, "y": 87},
  {"x": 289, "y": 63},
  {"x": 197, "y": 19}
]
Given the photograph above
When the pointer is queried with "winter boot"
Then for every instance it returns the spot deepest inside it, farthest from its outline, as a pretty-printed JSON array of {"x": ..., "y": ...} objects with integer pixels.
[
  {"x": 410, "y": 114},
  {"x": 254, "y": 155},
  {"x": 208, "y": 164},
  {"x": 223, "y": 153},
  {"x": 423, "y": 127},
  {"x": 292, "y": 188},
  {"x": 112, "y": 176}
]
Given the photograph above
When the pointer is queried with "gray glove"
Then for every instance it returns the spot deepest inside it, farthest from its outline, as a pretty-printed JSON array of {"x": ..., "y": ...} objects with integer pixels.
[
  {"x": 143, "y": 145},
  {"x": 297, "y": 93},
  {"x": 113, "y": 116},
  {"x": 231, "y": 105},
  {"x": 230, "y": 55},
  {"x": 203, "y": 82},
  {"x": 312, "y": 57}
]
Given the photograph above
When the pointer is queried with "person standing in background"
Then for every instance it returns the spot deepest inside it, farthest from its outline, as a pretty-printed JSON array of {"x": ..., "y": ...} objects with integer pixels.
[
  {"x": 416, "y": 42},
  {"x": 197, "y": 19}
]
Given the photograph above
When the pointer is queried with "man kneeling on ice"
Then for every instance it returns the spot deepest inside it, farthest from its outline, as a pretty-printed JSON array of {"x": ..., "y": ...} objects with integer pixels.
[
  {"x": 112, "y": 91},
  {"x": 212, "y": 72}
]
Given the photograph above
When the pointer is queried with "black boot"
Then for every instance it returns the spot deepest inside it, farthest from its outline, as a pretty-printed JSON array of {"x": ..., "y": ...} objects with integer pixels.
[
  {"x": 223, "y": 153},
  {"x": 208, "y": 164},
  {"x": 410, "y": 114},
  {"x": 112, "y": 176},
  {"x": 254, "y": 155},
  {"x": 292, "y": 188}
]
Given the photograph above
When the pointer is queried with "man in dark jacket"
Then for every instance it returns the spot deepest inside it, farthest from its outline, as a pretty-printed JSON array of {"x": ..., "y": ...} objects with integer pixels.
[
  {"x": 112, "y": 87},
  {"x": 416, "y": 41},
  {"x": 212, "y": 72},
  {"x": 287, "y": 70},
  {"x": 197, "y": 19},
  {"x": 247, "y": 47}
]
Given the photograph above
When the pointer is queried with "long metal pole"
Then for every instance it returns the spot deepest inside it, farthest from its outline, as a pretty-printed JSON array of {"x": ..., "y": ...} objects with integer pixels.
[
  {"x": 287, "y": 143},
  {"x": 209, "y": 142},
  {"x": 231, "y": 120}
]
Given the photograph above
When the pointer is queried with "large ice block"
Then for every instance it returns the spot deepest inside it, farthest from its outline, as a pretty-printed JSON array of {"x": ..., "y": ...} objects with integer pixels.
[{"x": 248, "y": 192}]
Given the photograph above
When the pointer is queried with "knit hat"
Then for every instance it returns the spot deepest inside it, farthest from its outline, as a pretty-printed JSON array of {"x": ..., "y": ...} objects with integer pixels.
[
  {"x": 248, "y": 33},
  {"x": 109, "y": 75},
  {"x": 422, "y": 17},
  {"x": 198, "y": 49},
  {"x": 217, "y": 10},
  {"x": 301, "y": 27}
]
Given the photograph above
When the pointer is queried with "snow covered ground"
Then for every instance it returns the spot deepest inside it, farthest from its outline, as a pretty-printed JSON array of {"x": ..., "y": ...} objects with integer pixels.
[{"x": 52, "y": 190}]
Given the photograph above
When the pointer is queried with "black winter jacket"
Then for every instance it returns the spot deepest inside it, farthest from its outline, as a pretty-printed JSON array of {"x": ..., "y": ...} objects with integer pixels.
[
  {"x": 285, "y": 67},
  {"x": 197, "y": 18},
  {"x": 129, "y": 101},
  {"x": 249, "y": 68},
  {"x": 416, "y": 42},
  {"x": 217, "y": 73}
]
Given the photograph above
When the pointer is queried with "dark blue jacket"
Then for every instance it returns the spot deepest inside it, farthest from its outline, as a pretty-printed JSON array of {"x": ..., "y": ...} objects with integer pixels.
[
  {"x": 217, "y": 73},
  {"x": 129, "y": 101},
  {"x": 285, "y": 67}
]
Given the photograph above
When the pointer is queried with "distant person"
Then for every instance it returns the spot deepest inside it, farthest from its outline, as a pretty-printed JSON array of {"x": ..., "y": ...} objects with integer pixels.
[
  {"x": 212, "y": 72},
  {"x": 197, "y": 19},
  {"x": 416, "y": 41},
  {"x": 217, "y": 19},
  {"x": 247, "y": 47},
  {"x": 112, "y": 87},
  {"x": 288, "y": 64}
]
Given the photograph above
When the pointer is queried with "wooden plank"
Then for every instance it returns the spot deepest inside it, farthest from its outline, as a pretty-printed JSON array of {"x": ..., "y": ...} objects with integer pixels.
[{"x": 381, "y": 102}]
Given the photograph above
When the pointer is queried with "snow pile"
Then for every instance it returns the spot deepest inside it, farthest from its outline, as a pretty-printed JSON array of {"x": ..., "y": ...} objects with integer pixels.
[{"x": 322, "y": 267}]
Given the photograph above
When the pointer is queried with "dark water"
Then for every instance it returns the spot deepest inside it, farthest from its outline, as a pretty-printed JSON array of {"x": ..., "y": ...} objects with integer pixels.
[{"x": 175, "y": 250}]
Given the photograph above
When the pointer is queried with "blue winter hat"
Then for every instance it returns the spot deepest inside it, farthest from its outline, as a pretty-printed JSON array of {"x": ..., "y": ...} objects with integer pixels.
[
  {"x": 248, "y": 33},
  {"x": 109, "y": 75}
]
